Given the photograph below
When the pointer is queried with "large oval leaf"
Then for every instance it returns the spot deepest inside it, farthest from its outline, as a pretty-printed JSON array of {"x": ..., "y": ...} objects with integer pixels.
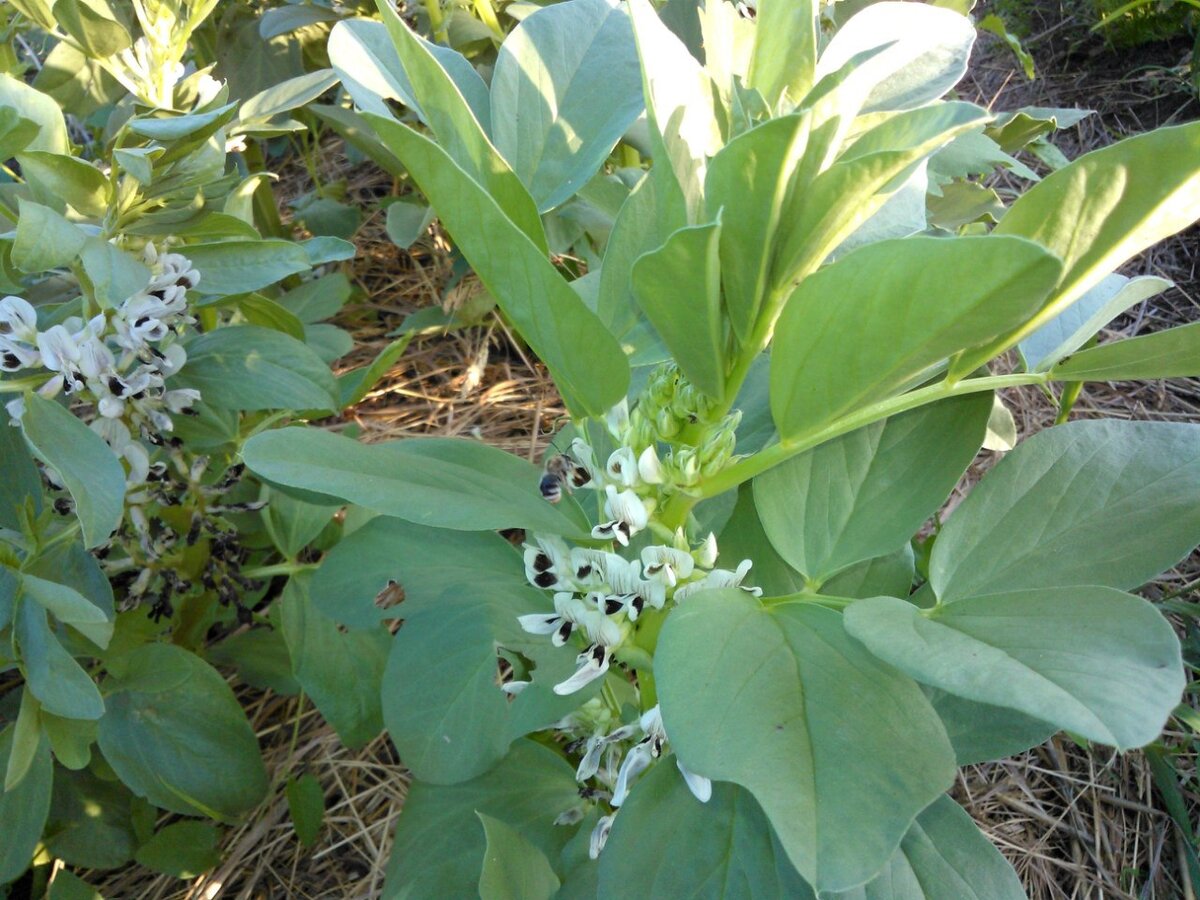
[
  {"x": 87, "y": 466},
  {"x": 176, "y": 735},
  {"x": 866, "y": 493},
  {"x": 863, "y": 326},
  {"x": 566, "y": 86},
  {"x": 840, "y": 751},
  {"x": 1101, "y": 210},
  {"x": 1174, "y": 353},
  {"x": 248, "y": 367},
  {"x": 443, "y": 482},
  {"x": 23, "y": 809},
  {"x": 1090, "y": 502},
  {"x": 709, "y": 851},
  {"x": 1092, "y": 660},
  {"x": 586, "y": 360},
  {"x": 439, "y": 846}
]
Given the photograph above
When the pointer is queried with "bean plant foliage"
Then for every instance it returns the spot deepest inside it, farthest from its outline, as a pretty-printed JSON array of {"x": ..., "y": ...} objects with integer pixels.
[
  {"x": 151, "y": 319},
  {"x": 715, "y": 666}
]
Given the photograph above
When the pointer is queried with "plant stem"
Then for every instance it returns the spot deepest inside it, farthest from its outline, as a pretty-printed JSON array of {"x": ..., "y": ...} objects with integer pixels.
[
  {"x": 284, "y": 568},
  {"x": 437, "y": 21},
  {"x": 777, "y": 453}
]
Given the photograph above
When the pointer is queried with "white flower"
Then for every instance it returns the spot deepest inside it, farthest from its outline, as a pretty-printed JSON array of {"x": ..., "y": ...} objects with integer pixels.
[
  {"x": 717, "y": 579},
  {"x": 627, "y": 514},
  {"x": 569, "y": 611},
  {"x": 633, "y": 592},
  {"x": 589, "y": 765},
  {"x": 600, "y": 835},
  {"x": 180, "y": 399},
  {"x": 639, "y": 758},
  {"x": 18, "y": 320},
  {"x": 617, "y": 420},
  {"x": 15, "y": 356},
  {"x": 622, "y": 468},
  {"x": 649, "y": 467},
  {"x": 582, "y": 451},
  {"x": 706, "y": 556},
  {"x": 95, "y": 359},
  {"x": 169, "y": 360},
  {"x": 593, "y": 663},
  {"x": 588, "y": 566},
  {"x": 667, "y": 564},
  {"x": 60, "y": 353},
  {"x": 548, "y": 564}
]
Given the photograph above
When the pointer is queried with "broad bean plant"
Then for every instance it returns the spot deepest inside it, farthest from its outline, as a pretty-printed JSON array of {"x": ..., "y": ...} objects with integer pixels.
[
  {"x": 146, "y": 329},
  {"x": 695, "y": 654}
]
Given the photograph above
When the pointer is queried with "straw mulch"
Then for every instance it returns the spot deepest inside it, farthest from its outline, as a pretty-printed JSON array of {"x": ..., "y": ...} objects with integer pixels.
[{"x": 1077, "y": 822}]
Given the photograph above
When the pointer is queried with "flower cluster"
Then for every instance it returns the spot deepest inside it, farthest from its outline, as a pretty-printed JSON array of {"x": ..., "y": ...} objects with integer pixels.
[
  {"x": 672, "y": 438},
  {"x": 118, "y": 360}
]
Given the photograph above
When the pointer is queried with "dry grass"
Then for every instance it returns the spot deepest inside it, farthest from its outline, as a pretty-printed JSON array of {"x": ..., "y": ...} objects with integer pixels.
[{"x": 1076, "y": 822}]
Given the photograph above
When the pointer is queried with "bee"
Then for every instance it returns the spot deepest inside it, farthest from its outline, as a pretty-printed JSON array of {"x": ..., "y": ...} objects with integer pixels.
[{"x": 562, "y": 472}]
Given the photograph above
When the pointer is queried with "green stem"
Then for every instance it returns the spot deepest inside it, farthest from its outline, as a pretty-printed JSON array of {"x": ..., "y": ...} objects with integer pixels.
[
  {"x": 777, "y": 453},
  {"x": 284, "y": 568},
  {"x": 814, "y": 599},
  {"x": 437, "y": 21},
  {"x": 1067, "y": 401}
]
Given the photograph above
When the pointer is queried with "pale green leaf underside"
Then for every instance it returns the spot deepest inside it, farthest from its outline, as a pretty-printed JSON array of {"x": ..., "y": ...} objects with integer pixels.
[
  {"x": 784, "y": 703},
  {"x": 1089, "y": 502},
  {"x": 1092, "y": 660}
]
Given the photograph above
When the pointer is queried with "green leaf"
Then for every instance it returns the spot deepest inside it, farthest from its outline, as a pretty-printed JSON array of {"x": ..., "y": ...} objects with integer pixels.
[
  {"x": 747, "y": 182},
  {"x": 783, "y": 66},
  {"x": 678, "y": 286},
  {"x": 363, "y": 54},
  {"x": 459, "y": 134},
  {"x": 1092, "y": 660},
  {"x": 866, "y": 493},
  {"x": 408, "y": 222},
  {"x": 355, "y": 384},
  {"x": 925, "y": 51},
  {"x": 70, "y": 887},
  {"x": 23, "y": 810},
  {"x": 513, "y": 868},
  {"x": 38, "y": 108},
  {"x": 781, "y": 701},
  {"x": 819, "y": 215},
  {"x": 318, "y": 299},
  {"x": 743, "y": 538},
  {"x": 260, "y": 310},
  {"x": 293, "y": 524},
  {"x": 679, "y": 104},
  {"x": 16, "y": 132},
  {"x": 45, "y": 239},
  {"x": 324, "y": 249},
  {"x": 68, "y": 178},
  {"x": 586, "y": 361},
  {"x": 85, "y": 463},
  {"x": 70, "y": 739},
  {"x": 1174, "y": 353},
  {"x": 181, "y": 849},
  {"x": 439, "y": 846},
  {"x": 981, "y": 732},
  {"x": 891, "y": 575},
  {"x": 176, "y": 735},
  {"x": 51, "y": 674},
  {"x": 238, "y": 267},
  {"x": 650, "y": 214},
  {"x": 1086, "y": 503},
  {"x": 1103, "y": 209},
  {"x": 285, "y": 96},
  {"x": 115, "y": 274},
  {"x": 944, "y": 855},
  {"x": 565, "y": 88},
  {"x": 250, "y": 367},
  {"x": 261, "y": 658},
  {"x": 21, "y": 483},
  {"x": 425, "y": 561},
  {"x": 93, "y": 25},
  {"x": 452, "y": 483},
  {"x": 340, "y": 670},
  {"x": 171, "y": 128},
  {"x": 1075, "y": 325},
  {"x": 70, "y": 607},
  {"x": 306, "y": 806},
  {"x": 670, "y": 844},
  {"x": 909, "y": 304},
  {"x": 27, "y": 737},
  {"x": 91, "y": 821}
]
